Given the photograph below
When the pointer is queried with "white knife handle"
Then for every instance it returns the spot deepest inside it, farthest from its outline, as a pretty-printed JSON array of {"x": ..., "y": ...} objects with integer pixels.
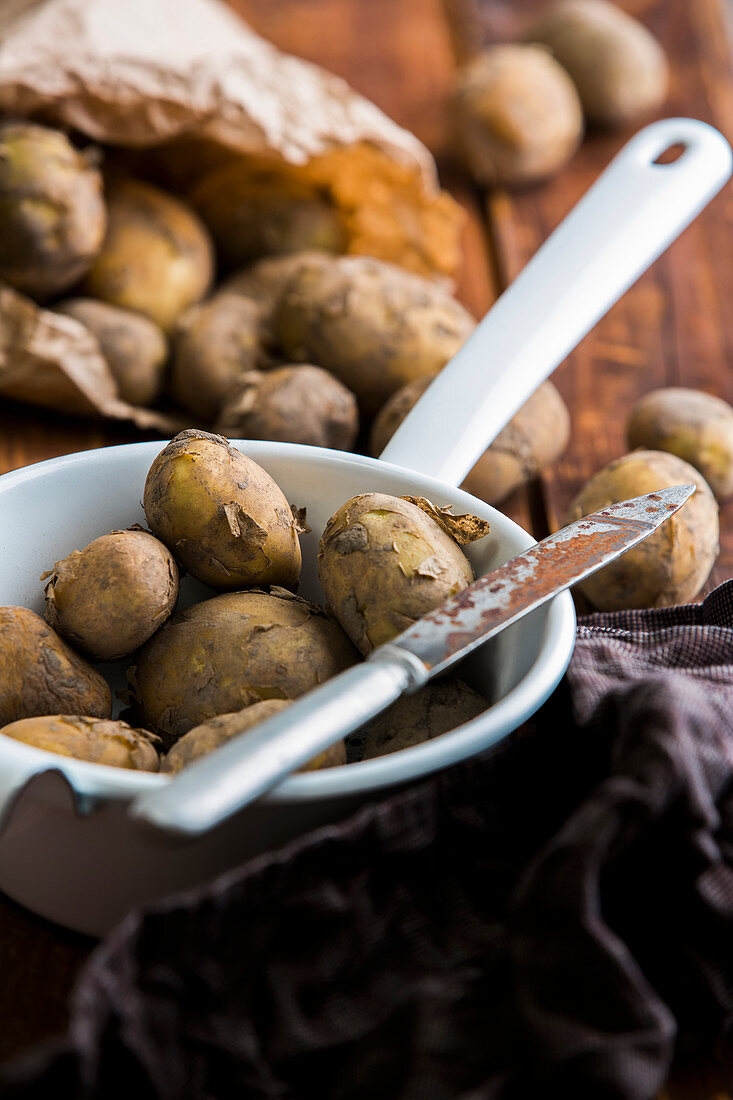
[
  {"x": 616, "y": 231},
  {"x": 216, "y": 786}
]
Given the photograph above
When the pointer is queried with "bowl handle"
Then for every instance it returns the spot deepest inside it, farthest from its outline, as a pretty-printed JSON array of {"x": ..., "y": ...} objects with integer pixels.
[{"x": 625, "y": 221}]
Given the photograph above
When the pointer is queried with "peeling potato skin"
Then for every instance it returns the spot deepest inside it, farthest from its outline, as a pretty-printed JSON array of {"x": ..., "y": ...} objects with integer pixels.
[
  {"x": 95, "y": 739},
  {"x": 292, "y": 404},
  {"x": 203, "y": 739},
  {"x": 231, "y": 651},
  {"x": 134, "y": 346},
  {"x": 372, "y": 324},
  {"x": 110, "y": 597},
  {"x": 517, "y": 116},
  {"x": 533, "y": 439},
  {"x": 617, "y": 65},
  {"x": 670, "y": 566},
  {"x": 215, "y": 345},
  {"x": 436, "y": 709},
  {"x": 383, "y": 563},
  {"x": 222, "y": 515},
  {"x": 41, "y": 674},
  {"x": 157, "y": 257},
  {"x": 52, "y": 210},
  {"x": 691, "y": 424}
]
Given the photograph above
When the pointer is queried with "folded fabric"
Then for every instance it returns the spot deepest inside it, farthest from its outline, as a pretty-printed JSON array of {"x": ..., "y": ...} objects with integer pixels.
[{"x": 553, "y": 918}]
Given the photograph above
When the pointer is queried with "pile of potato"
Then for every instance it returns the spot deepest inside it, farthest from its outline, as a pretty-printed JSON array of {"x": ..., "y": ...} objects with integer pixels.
[
  {"x": 203, "y": 674},
  {"x": 519, "y": 109}
]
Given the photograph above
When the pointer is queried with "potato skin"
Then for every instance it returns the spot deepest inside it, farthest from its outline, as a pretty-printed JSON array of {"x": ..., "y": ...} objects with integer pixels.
[
  {"x": 670, "y": 566},
  {"x": 98, "y": 740},
  {"x": 292, "y": 404},
  {"x": 617, "y": 65},
  {"x": 383, "y": 563},
  {"x": 215, "y": 344},
  {"x": 691, "y": 424},
  {"x": 370, "y": 323},
  {"x": 221, "y": 514},
  {"x": 134, "y": 346},
  {"x": 203, "y": 739},
  {"x": 517, "y": 115},
  {"x": 157, "y": 257},
  {"x": 108, "y": 598},
  {"x": 439, "y": 707},
  {"x": 52, "y": 211},
  {"x": 266, "y": 214},
  {"x": 41, "y": 674},
  {"x": 533, "y": 439},
  {"x": 229, "y": 652}
]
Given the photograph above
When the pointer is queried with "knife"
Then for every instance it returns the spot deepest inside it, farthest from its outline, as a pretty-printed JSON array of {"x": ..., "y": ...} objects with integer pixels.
[{"x": 220, "y": 784}]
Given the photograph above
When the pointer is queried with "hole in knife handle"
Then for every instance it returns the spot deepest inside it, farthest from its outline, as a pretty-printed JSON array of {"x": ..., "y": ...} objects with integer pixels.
[{"x": 671, "y": 154}]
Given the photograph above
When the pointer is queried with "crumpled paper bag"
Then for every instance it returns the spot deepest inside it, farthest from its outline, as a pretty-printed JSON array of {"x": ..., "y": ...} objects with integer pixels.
[{"x": 187, "y": 85}]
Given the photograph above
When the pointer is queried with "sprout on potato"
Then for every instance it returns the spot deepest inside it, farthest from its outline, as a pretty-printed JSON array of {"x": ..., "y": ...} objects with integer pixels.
[
  {"x": 41, "y": 674},
  {"x": 221, "y": 514},
  {"x": 517, "y": 115},
  {"x": 108, "y": 598},
  {"x": 52, "y": 211},
  {"x": 671, "y": 565},
  {"x": 231, "y": 651},
  {"x": 203, "y": 739},
  {"x": 99, "y": 740},
  {"x": 292, "y": 404}
]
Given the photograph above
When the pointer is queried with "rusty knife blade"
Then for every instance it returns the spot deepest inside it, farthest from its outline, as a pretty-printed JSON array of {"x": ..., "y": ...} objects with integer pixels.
[{"x": 494, "y": 601}]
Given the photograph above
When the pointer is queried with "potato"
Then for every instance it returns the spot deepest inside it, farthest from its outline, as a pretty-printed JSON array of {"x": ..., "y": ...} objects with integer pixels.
[
  {"x": 691, "y": 424},
  {"x": 41, "y": 674},
  {"x": 98, "y": 740},
  {"x": 439, "y": 707},
  {"x": 110, "y": 597},
  {"x": 52, "y": 212},
  {"x": 203, "y": 739},
  {"x": 383, "y": 563},
  {"x": 668, "y": 567},
  {"x": 370, "y": 323},
  {"x": 231, "y": 651},
  {"x": 534, "y": 438},
  {"x": 221, "y": 514},
  {"x": 617, "y": 65},
  {"x": 292, "y": 404},
  {"x": 134, "y": 346},
  {"x": 517, "y": 115},
  {"x": 215, "y": 344},
  {"x": 157, "y": 257},
  {"x": 266, "y": 214}
]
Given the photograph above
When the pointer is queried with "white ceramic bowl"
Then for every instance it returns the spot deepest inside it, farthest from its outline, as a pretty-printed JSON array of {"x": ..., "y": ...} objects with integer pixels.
[{"x": 67, "y": 848}]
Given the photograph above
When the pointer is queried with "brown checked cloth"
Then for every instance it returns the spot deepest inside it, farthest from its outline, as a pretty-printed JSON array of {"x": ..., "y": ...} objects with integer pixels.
[{"x": 553, "y": 918}]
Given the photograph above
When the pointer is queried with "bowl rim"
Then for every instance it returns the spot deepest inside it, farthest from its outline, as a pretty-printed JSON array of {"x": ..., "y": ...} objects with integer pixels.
[{"x": 407, "y": 765}]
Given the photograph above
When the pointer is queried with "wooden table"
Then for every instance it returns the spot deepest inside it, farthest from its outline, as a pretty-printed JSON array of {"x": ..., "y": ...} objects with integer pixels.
[{"x": 675, "y": 327}]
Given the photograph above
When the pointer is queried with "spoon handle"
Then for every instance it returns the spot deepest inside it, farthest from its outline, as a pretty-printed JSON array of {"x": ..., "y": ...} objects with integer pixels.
[{"x": 635, "y": 209}]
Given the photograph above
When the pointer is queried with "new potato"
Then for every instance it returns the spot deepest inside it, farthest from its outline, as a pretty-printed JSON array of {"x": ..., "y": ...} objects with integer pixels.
[
  {"x": 436, "y": 709},
  {"x": 203, "y": 739},
  {"x": 52, "y": 211},
  {"x": 292, "y": 404},
  {"x": 157, "y": 256},
  {"x": 371, "y": 324},
  {"x": 221, "y": 514},
  {"x": 668, "y": 567},
  {"x": 41, "y": 674},
  {"x": 383, "y": 563},
  {"x": 108, "y": 598},
  {"x": 231, "y": 651},
  {"x": 99, "y": 740}
]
